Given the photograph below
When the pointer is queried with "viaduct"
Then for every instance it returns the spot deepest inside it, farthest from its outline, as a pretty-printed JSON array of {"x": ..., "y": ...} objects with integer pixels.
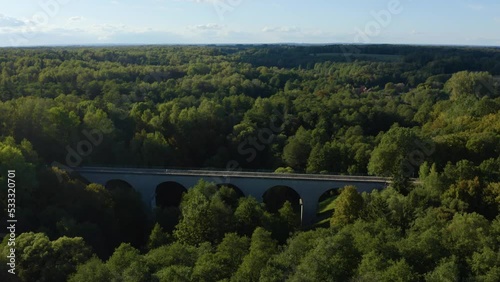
[{"x": 307, "y": 188}]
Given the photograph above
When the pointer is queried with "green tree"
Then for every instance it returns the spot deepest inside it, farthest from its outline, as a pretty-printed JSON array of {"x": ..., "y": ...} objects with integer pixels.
[
  {"x": 97, "y": 119},
  {"x": 393, "y": 156},
  {"x": 39, "y": 259},
  {"x": 151, "y": 149},
  {"x": 334, "y": 258},
  {"x": 196, "y": 225},
  {"x": 289, "y": 216},
  {"x": 466, "y": 234},
  {"x": 297, "y": 150},
  {"x": 67, "y": 253},
  {"x": 422, "y": 249},
  {"x": 433, "y": 185},
  {"x": 204, "y": 216},
  {"x": 284, "y": 264},
  {"x": 371, "y": 267},
  {"x": 347, "y": 207},
  {"x": 446, "y": 271},
  {"x": 34, "y": 251},
  {"x": 174, "y": 273},
  {"x": 169, "y": 255},
  {"x": 485, "y": 264},
  {"x": 491, "y": 199},
  {"x": 92, "y": 270},
  {"x": 158, "y": 237},
  {"x": 470, "y": 84},
  {"x": 224, "y": 262},
  {"x": 14, "y": 157},
  {"x": 262, "y": 247},
  {"x": 127, "y": 264},
  {"x": 399, "y": 271},
  {"x": 284, "y": 170},
  {"x": 317, "y": 160},
  {"x": 248, "y": 216},
  {"x": 284, "y": 223},
  {"x": 464, "y": 196}
]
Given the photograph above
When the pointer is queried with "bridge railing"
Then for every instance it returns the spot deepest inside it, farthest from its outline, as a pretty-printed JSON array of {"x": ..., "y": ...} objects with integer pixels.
[
  {"x": 214, "y": 169},
  {"x": 228, "y": 173}
]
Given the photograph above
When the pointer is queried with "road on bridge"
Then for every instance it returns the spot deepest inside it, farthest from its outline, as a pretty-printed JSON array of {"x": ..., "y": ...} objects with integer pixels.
[{"x": 229, "y": 173}]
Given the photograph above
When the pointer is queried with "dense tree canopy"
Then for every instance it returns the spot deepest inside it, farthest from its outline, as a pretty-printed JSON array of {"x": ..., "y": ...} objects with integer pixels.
[{"x": 427, "y": 117}]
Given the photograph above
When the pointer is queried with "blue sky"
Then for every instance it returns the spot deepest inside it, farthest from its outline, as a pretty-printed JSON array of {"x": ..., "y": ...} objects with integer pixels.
[{"x": 69, "y": 22}]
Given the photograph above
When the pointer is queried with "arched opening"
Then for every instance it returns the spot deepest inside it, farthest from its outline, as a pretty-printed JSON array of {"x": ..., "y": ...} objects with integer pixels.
[
  {"x": 129, "y": 211},
  {"x": 325, "y": 206},
  {"x": 114, "y": 184},
  {"x": 169, "y": 194},
  {"x": 168, "y": 197},
  {"x": 275, "y": 197}
]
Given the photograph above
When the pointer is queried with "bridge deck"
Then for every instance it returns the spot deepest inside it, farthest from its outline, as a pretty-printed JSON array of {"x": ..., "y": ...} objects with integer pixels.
[{"x": 236, "y": 174}]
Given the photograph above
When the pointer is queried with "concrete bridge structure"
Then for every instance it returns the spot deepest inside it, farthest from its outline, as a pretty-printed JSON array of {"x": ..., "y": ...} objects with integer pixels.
[{"x": 150, "y": 183}]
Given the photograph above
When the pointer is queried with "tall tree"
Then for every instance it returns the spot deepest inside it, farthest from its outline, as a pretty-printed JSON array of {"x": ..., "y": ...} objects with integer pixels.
[
  {"x": 204, "y": 216},
  {"x": 348, "y": 207},
  {"x": 262, "y": 247},
  {"x": 297, "y": 149},
  {"x": 398, "y": 156}
]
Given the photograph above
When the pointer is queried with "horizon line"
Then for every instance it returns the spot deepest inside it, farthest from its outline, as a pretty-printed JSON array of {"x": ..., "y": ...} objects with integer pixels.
[{"x": 242, "y": 44}]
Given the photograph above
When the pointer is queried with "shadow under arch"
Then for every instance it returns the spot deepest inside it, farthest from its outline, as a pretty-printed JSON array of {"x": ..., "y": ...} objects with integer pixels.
[
  {"x": 325, "y": 204},
  {"x": 276, "y": 196},
  {"x": 169, "y": 194}
]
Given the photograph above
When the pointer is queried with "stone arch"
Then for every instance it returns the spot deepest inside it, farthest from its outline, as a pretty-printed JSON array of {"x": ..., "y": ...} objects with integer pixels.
[
  {"x": 169, "y": 194},
  {"x": 276, "y": 196},
  {"x": 118, "y": 184},
  {"x": 324, "y": 205}
]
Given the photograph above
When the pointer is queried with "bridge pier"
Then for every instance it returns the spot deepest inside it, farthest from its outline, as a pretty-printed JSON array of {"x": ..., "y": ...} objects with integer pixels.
[{"x": 309, "y": 207}]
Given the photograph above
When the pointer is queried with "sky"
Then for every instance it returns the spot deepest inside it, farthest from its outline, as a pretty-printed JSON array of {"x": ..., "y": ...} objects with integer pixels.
[{"x": 83, "y": 22}]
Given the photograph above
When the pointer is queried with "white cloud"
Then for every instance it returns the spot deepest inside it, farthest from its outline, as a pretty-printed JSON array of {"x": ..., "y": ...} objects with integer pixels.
[
  {"x": 415, "y": 32},
  {"x": 76, "y": 19},
  {"x": 476, "y": 7},
  {"x": 209, "y": 26},
  {"x": 106, "y": 31},
  {"x": 6, "y": 21},
  {"x": 283, "y": 29}
]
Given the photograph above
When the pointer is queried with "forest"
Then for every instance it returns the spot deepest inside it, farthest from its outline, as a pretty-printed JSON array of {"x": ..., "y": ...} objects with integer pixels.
[{"x": 427, "y": 117}]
